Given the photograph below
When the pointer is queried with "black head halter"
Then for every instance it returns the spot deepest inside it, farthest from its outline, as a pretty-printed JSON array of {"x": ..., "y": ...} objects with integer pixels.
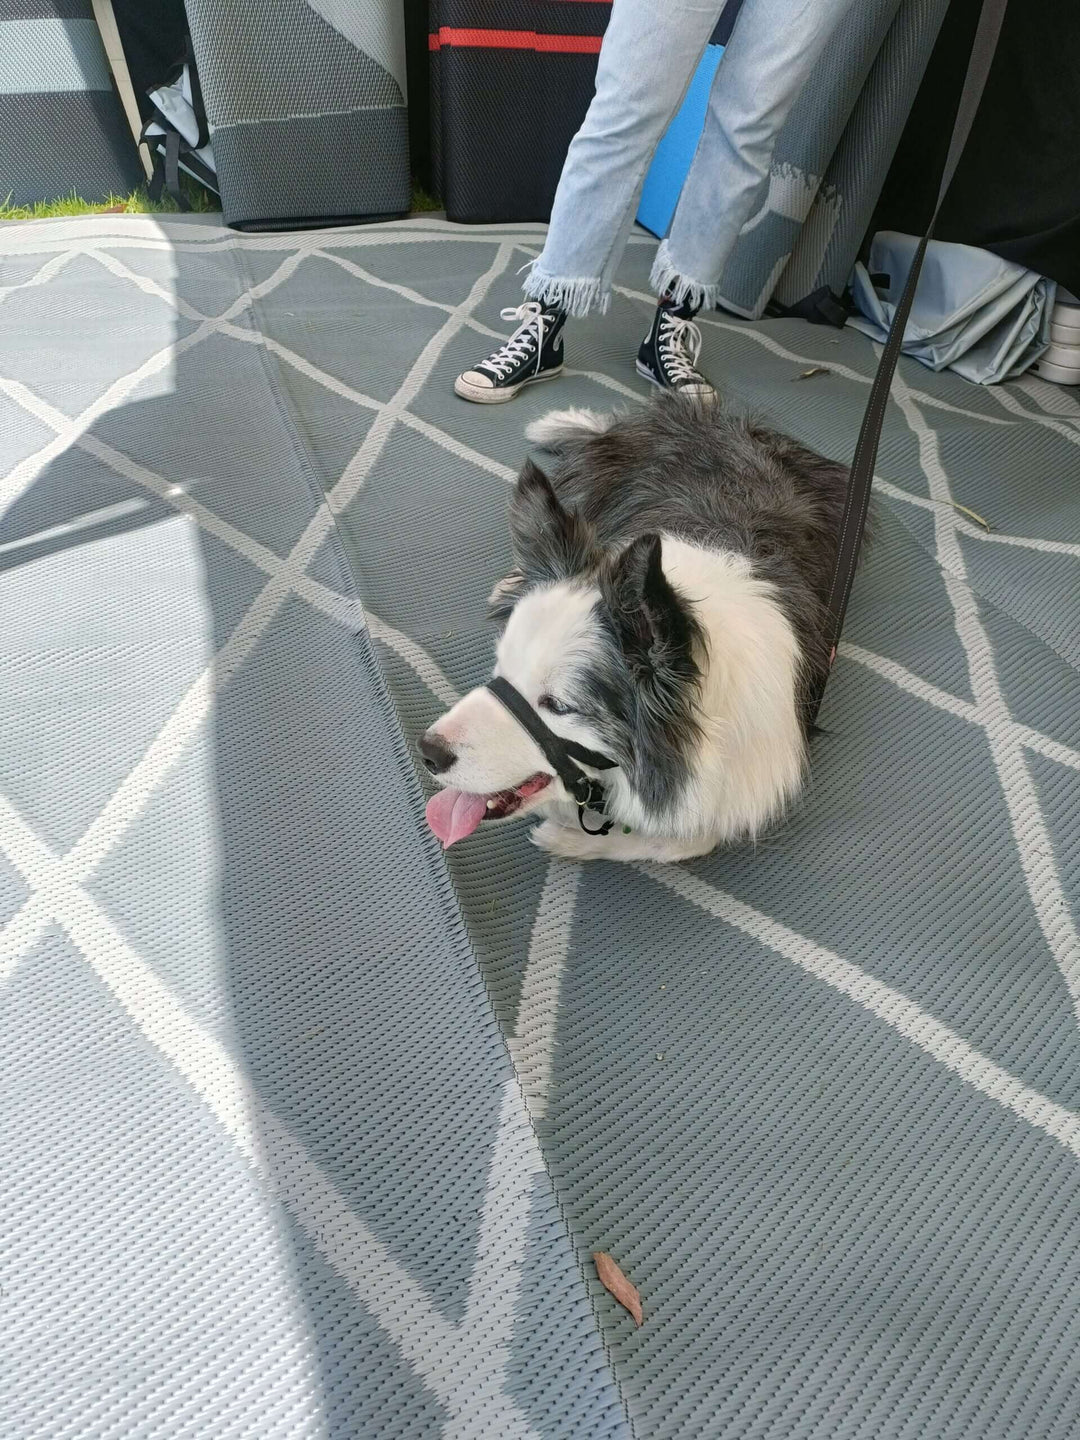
[{"x": 563, "y": 755}]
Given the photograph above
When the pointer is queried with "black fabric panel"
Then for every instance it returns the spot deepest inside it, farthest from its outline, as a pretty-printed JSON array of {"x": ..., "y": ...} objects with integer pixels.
[
  {"x": 435, "y": 123},
  {"x": 64, "y": 141},
  {"x": 46, "y": 10},
  {"x": 726, "y": 24},
  {"x": 506, "y": 121},
  {"x": 316, "y": 170},
  {"x": 502, "y": 120},
  {"x": 1017, "y": 188},
  {"x": 419, "y": 98},
  {"x": 153, "y": 34},
  {"x": 546, "y": 17}
]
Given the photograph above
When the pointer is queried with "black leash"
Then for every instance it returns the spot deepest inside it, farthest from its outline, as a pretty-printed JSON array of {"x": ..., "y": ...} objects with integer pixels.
[
  {"x": 564, "y": 755},
  {"x": 861, "y": 478}
]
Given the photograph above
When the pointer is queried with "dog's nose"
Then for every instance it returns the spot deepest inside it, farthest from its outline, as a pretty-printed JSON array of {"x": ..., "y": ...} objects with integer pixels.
[{"x": 436, "y": 752}]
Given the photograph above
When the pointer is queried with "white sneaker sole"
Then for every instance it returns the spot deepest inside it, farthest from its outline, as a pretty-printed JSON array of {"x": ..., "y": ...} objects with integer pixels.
[
  {"x": 698, "y": 391},
  {"x": 483, "y": 395}
]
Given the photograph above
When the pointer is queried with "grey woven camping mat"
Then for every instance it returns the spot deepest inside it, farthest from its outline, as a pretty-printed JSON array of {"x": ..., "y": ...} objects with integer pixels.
[{"x": 303, "y": 1133}]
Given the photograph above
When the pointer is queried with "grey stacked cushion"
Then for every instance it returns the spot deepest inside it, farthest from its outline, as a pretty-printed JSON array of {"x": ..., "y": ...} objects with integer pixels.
[
  {"x": 61, "y": 126},
  {"x": 306, "y": 104}
]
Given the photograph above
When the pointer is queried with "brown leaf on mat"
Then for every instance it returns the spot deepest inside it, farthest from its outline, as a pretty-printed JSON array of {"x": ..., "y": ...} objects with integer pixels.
[
  {"x": 814, "y": 370},
  {"x": 616, "y": 1283}
]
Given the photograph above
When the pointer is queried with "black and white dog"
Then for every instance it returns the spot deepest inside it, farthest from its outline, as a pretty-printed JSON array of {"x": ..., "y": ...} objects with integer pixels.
[{"x": 663, "y": 631}]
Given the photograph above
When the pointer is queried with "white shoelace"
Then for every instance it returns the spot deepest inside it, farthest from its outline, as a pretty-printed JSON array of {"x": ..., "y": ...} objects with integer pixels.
[
  {"x": 530, "y": 332},
  {"x": 680, "y": 346}
]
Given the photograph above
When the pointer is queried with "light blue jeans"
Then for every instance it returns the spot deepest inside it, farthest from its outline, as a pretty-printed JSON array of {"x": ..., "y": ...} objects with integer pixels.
[{"x": 648, "y": 58}]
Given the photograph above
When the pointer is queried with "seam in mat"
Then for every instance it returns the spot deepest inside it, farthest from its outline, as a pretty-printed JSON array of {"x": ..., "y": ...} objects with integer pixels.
[
  {"x": 895, "y": 508},
  {"x": 370, "y": 664},
  {"x": 561, "y": 1209},
  {"x": 456, "y": 924}
]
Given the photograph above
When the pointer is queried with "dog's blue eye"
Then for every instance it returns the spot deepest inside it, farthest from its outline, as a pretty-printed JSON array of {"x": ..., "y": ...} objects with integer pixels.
[{"x": 548, "y": 702}]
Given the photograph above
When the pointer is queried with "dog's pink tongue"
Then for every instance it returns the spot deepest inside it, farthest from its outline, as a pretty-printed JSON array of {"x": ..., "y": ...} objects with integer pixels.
[{"x": 453, "y": 814}]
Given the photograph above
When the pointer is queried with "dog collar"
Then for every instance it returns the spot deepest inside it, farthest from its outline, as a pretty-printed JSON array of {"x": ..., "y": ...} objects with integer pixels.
[{"x": 567, "y": 756}]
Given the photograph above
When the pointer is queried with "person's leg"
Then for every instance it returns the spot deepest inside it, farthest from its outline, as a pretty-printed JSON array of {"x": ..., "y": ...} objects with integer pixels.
[
  {"x": 647, "y": 60},
  {"x": 773, "y": 49},
  {"x": 650, "y": 52}
]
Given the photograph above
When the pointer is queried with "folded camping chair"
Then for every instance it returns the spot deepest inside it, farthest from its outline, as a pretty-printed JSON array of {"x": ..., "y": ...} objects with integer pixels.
[{"x": 177, "y": 135}]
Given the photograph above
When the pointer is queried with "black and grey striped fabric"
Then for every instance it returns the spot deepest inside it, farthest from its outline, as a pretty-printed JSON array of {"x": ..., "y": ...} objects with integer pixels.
[
  {"x": 307, "y": 111},
  {"x": 838, "y": 219},
  {"x": 832, "y": 156},
  {"x": 62, "y": 129}
]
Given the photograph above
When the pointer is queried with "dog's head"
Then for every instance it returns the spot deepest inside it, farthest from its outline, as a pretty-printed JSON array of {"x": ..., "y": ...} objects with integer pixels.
[{"x": 600, "y": 645}]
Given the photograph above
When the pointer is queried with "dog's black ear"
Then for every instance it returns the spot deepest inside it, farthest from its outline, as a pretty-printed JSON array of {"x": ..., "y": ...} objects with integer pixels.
[
  {"x": 655, "y": 627},
  {"x": 550, "y": 543}
]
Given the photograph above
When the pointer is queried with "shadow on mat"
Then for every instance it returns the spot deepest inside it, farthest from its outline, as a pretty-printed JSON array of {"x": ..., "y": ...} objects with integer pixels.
[{"x": 282, "y": 739}]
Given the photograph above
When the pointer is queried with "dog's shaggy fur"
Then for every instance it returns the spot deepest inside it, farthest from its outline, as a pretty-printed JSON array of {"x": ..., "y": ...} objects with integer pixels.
[{"x": 667, "y": 610}]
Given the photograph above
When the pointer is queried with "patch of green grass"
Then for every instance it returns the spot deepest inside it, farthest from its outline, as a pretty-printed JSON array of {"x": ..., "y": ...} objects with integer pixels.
[
  {"x": 137, "y": 203},
  {"x": 421, "y": 200}
]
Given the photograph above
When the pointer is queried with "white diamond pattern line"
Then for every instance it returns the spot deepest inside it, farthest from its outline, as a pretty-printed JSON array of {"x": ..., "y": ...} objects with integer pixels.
[
  {"x": 42, "y": 276},
  {"x": 322, "y": 377},
  {"x": 903, "y": 679},
  {"x": 28, "y": 470},
  {"x": 447, "y": 1356},
  {"x": 359, "y": 467},
  {"x": 896, "y": 1010},
  {"x": 532, "y": 1044},
  {"x": 1032, "y": 838},
  {"x": 962, "y": 523}
]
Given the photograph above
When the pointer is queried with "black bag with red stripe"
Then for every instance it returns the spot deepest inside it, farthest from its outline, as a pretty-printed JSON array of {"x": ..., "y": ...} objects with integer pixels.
[{"x": 510, "y": 83}]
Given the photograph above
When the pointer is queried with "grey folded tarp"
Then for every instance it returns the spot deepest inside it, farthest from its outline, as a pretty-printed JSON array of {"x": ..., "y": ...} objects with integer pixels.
[
  {"x": 306, "y": 104},
  {"x": 974, "y": 313},
  {"x": 62, "y": 129}
]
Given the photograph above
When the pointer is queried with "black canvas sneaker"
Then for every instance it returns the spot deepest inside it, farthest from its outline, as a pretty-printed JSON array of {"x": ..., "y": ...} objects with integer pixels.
[
  {"x": 669, "y": 353},
  {"x": 533, "y": 352}
]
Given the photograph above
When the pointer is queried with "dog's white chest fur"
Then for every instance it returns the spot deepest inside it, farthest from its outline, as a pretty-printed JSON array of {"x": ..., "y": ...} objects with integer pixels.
[{"x": 753, "y": 752}]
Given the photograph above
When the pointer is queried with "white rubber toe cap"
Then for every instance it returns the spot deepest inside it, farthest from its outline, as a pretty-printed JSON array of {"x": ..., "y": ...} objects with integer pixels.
[
  {"x": 704, "y": 391},
  {"x": 474, "y": 385}
]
